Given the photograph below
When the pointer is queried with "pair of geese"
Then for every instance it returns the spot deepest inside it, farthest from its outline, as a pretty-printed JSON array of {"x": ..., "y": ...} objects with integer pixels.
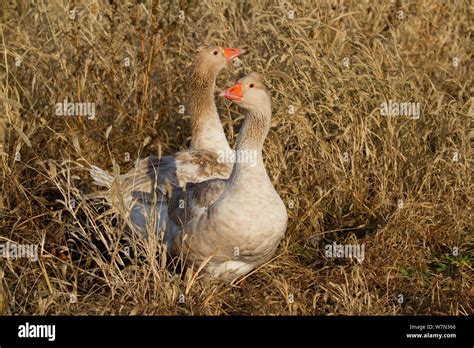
[{"x": 224, "y": 218}]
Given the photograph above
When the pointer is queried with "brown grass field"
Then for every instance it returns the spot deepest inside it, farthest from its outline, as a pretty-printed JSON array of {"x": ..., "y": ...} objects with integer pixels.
[{"x": 398, "y": 185}]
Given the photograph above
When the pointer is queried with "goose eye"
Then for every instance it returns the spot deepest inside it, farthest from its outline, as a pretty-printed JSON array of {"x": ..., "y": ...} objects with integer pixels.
[
  {"x": 215, "y": 53},
  {"x": 251, "y": 85}
]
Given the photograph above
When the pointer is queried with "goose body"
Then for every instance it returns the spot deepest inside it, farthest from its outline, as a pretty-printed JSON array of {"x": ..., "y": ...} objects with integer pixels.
[
  {"x": 230, "y": 226},
  {"x": 143, "y": 190}
]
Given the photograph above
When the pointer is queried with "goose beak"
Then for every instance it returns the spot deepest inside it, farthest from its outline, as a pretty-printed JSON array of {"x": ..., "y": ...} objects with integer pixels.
[
  {"x": 236, "y": 92},
  {"x": 231, "y": 53}
]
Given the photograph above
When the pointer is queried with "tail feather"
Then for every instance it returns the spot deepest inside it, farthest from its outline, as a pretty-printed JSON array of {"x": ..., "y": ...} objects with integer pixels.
[
  {"x": 134, "y": 196},
  {"x": 101, "y": 177}
]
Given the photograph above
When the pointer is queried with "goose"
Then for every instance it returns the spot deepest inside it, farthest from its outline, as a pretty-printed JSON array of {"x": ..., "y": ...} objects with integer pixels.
[
  {"x": 228, "y": 227},
  {"x": 154, "y": 175}
]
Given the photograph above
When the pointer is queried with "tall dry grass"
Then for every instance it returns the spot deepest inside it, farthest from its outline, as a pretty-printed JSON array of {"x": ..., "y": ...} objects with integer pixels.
[{"x": 342, "y": 168}]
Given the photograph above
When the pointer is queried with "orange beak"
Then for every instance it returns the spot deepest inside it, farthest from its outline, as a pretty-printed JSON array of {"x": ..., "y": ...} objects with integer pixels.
[
  {"x": 236, "y": 92},
  {"x": 231, "y": 53}
]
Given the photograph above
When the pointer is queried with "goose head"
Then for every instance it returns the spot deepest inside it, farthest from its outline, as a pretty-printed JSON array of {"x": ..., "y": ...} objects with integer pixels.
[
  {"x": 215, "y": 58},
  {"x": 250, "y": 93}
]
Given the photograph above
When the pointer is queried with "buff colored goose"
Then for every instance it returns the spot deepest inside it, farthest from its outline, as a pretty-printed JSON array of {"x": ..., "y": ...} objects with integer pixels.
[
  {"x": 199, "y": 163},
  {"x": 229, "y": 227}
]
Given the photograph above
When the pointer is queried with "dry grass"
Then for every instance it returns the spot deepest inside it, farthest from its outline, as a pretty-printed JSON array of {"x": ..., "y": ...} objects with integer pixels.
[{"x": 47, "y": 57}]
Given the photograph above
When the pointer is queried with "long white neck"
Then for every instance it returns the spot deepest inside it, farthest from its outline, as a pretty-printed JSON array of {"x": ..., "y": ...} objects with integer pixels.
[
  {"x": 207, "y": 132},
  {"x": 249, "y": 160}
]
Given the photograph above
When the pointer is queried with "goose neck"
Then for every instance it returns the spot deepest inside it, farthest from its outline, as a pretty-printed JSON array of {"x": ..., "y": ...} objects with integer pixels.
[
  {"x": 249, "y": 148},
  {"x": 206, "y": 128}
]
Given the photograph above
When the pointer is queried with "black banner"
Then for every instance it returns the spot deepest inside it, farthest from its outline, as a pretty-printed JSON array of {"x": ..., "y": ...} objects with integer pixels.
[{"x": 64, "y": 331}]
